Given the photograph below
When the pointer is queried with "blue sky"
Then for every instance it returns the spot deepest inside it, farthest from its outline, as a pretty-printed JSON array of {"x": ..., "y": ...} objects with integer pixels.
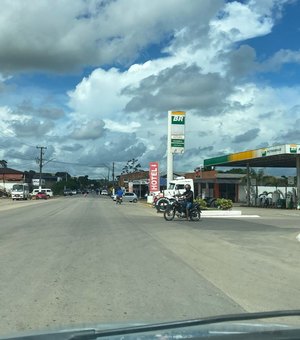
[
  {"x": 284, "y": 35},
  {"x": 96, "y": 92}
]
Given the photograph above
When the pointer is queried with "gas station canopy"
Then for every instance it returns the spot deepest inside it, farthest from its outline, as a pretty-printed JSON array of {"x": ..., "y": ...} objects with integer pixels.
[{"x": 280, "y": 156}]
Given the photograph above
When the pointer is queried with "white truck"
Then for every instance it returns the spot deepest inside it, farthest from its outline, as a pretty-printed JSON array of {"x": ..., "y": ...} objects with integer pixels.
[
  {"x": 20, "y": 191},
  {"x": 176, "y": 187}
]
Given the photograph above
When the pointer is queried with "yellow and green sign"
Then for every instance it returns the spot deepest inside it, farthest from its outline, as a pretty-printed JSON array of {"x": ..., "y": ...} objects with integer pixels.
[
  {"x": 177, "y": 131},
  {"x": 251, "y": 154}
]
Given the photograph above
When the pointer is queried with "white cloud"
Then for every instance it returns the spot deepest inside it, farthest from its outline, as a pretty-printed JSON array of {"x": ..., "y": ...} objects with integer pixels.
[
  {"x": 280, "y": 58},
  {"x": 264, "y": 116},
  {"x": 88, "y": 33},
  {"x": 121, "y": 112},
  {"x": 118, "y": 127},
  {"x": 6, "y": 116},
  {"x": 232, "y": 22},
  {"x": 234, "y": 119},
  {"x": 89, "y": 130}
]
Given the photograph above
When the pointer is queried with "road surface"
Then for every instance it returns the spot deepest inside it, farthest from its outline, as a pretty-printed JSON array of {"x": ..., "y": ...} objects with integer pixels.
[{"x": 78, "y": 261}]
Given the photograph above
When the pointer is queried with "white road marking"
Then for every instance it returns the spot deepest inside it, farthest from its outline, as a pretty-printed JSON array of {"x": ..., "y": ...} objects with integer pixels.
[{"x": 241, "y": 216}]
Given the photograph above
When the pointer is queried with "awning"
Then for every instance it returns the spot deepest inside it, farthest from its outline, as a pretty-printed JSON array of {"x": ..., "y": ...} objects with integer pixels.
[{"x": 281, "y": 156}]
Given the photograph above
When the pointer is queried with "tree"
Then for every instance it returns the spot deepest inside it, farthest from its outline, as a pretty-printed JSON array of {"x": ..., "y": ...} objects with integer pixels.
[
  {"x": 132, "y": 165},
  {"x": 63, "y": 175},
  {"x": 236, "y": 171},
  {"x": 3, "y": 163},
  {"x": 83, "y": 181}
]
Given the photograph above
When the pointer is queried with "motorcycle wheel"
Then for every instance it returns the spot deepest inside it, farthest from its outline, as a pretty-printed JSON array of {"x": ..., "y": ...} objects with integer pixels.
[
  {"x": 169, "y": 214},
  {"x": 162, "y": 205},
  {"x": 195, "y": 215}
]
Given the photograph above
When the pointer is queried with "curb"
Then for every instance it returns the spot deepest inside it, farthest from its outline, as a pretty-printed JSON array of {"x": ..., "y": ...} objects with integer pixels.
[
  {"x": 225, "y": 214},
  {"x": 222, "y": 213},
  {"x": 217, "y": 213}
]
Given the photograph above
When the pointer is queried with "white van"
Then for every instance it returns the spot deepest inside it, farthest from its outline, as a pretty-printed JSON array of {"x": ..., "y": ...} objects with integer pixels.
[{"x": 48, "y": 192}]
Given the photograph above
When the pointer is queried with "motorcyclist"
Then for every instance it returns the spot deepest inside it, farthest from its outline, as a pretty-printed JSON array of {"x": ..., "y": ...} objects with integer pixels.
[
  {"x": 119, "y": 195},
  {"x": 188, "y": 199}
]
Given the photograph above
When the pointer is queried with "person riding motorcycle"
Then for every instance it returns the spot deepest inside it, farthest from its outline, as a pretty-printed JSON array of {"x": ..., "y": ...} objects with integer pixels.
[
  {"x": 188, "y": 199},
  {"x": 119, "y": 195}
]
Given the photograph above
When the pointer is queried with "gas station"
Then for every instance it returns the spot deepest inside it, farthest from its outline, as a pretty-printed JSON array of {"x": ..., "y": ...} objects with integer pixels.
[{"x": 279, "y": 156}]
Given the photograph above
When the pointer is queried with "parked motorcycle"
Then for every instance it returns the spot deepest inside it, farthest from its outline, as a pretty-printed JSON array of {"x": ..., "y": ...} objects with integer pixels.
[{"x": 175, "y": 208}]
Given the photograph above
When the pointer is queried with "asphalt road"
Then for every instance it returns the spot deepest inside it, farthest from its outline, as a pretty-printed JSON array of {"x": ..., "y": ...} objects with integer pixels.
[{"x": 78, "y": 261}]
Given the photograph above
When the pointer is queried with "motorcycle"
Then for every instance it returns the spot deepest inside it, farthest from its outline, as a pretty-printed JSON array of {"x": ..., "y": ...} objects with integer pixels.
[
  {"x": 119, "y": 200},
  {"x": 176, "y": 208}
]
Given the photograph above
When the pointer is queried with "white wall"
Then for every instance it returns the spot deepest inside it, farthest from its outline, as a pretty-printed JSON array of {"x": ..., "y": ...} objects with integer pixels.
[
  {"x": 260, "y": 190},
  {"x": 8, "y": 185}
]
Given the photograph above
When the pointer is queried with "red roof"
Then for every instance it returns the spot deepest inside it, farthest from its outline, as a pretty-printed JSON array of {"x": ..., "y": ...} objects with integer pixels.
[{"x": 7, "y": 171}]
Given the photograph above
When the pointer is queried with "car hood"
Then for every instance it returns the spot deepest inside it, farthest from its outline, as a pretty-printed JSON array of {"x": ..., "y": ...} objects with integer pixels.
[{"x": 237, "y": 326}]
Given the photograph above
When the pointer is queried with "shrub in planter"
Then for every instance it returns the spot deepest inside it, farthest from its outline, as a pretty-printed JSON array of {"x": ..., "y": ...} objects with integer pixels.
[
  {"x": 201, "y": 202},
  {"x": 224, "y": 204}
]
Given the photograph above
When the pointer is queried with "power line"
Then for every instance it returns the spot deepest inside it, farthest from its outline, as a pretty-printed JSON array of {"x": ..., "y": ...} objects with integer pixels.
[{"x": 103, "y": 165}]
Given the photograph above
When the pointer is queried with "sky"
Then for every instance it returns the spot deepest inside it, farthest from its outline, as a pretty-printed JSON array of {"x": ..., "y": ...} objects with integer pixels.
[{"x": 93, "y": 80}]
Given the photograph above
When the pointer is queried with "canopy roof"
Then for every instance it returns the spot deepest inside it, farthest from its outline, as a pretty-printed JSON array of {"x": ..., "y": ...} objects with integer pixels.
[{"x": 279, "y": 156}]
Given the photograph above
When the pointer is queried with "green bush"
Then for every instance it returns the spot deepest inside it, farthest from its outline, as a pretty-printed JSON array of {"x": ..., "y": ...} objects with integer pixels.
[
  {"x": 201, "y": 202},
  {"x": 224, "y": 204}
]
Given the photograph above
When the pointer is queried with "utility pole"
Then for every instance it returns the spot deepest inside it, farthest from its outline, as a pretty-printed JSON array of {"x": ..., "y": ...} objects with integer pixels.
[
  {"x": 41, "y": 164},
  {"x": 113, "y": 174}
]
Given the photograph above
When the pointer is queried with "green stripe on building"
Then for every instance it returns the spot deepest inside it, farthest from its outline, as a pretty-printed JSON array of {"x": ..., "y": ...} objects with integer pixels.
[{"x": 216, "y": 160}]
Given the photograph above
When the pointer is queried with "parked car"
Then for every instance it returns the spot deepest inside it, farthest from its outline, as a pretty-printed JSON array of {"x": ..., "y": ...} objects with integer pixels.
[
  {"x": 68, "y": 192},
  {"x": 130, "y": 197},
  {"x": 104, "y": 192},
  {"x": 41, "y": 196},
  {"x": 48, "y": 192}
]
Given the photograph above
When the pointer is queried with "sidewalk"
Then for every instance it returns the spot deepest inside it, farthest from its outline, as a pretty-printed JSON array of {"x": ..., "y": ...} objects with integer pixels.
[
  {"x": 210, "y": 213},
  {"x": 266, "y": 212}
]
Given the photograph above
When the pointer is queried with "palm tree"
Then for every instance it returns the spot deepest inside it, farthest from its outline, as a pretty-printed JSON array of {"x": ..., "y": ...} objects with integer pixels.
[{"x": 132, "y": 166}]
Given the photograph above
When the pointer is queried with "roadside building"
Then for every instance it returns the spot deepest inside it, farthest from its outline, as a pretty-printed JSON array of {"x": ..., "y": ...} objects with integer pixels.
[
  {"x": 277, "y": 156},
  {"x": 9, "y": 177},
  {"x": 48, "y": 180},
  {"x": 218, "y": 185},
  {"x": 138, "y": 182}
]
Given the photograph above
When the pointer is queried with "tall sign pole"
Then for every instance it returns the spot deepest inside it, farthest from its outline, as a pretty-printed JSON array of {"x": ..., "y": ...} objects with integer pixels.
[
  {"x": 169, "y": 152},
  {"x": 298, "y": 181},
  {"x": 176, "y": 132}
]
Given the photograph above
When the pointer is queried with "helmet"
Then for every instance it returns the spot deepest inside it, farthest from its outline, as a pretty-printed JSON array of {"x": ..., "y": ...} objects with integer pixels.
[{"x": 187, "y": 187}]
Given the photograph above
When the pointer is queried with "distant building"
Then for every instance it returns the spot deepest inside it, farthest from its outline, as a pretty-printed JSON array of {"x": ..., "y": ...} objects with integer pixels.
[
  {"x": 48, "y": 180},
  {"x": 9, "y": 177}
]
